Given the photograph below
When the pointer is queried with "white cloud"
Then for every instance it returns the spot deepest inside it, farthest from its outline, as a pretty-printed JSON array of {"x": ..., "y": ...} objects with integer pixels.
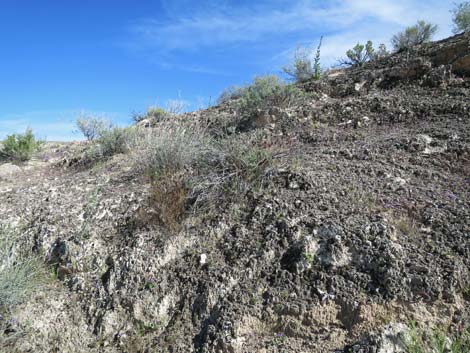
[
  {"x": 225, "y": 25},
  {"x": 49, "y": 125}
]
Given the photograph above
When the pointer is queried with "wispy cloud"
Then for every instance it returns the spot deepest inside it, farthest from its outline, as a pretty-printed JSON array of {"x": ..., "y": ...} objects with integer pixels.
[
  {"x": 51, "y": 125},
  {"x": 278, "y": 23}
]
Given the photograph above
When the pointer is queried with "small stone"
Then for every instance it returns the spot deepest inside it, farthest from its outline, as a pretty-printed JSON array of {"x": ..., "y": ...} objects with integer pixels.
[{"x": 203, "y": 259}]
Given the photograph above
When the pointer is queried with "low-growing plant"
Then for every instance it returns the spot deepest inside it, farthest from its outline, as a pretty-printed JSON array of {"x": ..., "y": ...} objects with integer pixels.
[
  {"x": 185, "y": 164},
  {"x": 303, "y": 69},
  {"x": 20, "y": 147},
  {"x": 437, "y": 340},
  {"x": 361, "y": 54},
  {"x": 461, "y": 17},
  {"x": 20, "y": 274},
  {"x": 266, "y": 92},
  {"x": 169, "y": 149},
  {"x": 230, "y": 93},
  {"x": 92, "y": 127},
  {"x": 115, "y": 141},
  {"x": 420, "y": 33}
]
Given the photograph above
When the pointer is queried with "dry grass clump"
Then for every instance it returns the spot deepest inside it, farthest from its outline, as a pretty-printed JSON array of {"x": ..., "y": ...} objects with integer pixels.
[
  {"x": 188, "y": 168},
  {"x": 21, "y": 275}
]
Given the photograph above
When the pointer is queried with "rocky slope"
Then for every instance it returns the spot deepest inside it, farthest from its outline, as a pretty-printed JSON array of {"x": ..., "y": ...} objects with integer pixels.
[{"x": 361, "y": 226}]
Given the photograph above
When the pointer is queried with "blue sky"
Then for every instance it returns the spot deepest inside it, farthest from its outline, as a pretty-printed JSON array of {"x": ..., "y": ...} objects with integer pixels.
[{"x": 59, "y": 59}]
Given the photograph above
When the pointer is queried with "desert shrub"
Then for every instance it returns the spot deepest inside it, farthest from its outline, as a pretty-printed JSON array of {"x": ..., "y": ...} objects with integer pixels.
[
  {"x": 230, "y": 93},
  {"x": 169, "y": 149},
  {"x": 20, "y": 147},
  {"x": 303, "y": 69},
  {"x": 420, "y": 33},
  {"x": 266, "y": 92},
  {"x": 157, "y": 113},
  {"x": 114, "y": 141},
  {"x": 175, "y": 106},
  {"x": 20, "y": 274},
  {"x": 361, "y": 54},
  {"x": 186, "y": 166},
  {"x": 461, "y": 17},
  {"x": 92, "y": 127}
]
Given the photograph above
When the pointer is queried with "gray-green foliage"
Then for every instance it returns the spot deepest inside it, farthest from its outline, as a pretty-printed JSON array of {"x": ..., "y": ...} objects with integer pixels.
[
  {"x": 209, "y": 166},
  {"x": 303, "y": 69},
  {"x": 21, "y": 274},
  {"x": 461, "y": 17},
  {"x": 230, "y": 93},
  {"x": 114, "y": 141},
  {"x": 19, "y": 147},
  {"x": 266, "y": 92},
  {"x": 420, "y": 33},
  {"x": 92, "y": 127},
  {"x": 170, "y": 148},
  {"x": 437, "y": 341},
  {"x": 362, "y": 53}
]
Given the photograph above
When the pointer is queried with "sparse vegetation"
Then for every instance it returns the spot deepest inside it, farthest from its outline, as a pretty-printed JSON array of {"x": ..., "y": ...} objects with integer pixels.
[
  {"x": 20, "y": 147},
  {"x": 302, "y": 69},
  {"x": 420, "y": 33},
  {"x": 20, "y": 274},
  {"x": 93, "y": 127},
  {"x": 185, "y": 163},
  {"x": 361, "y": 54},
  {"x": 230, "y": 93},
  {"x": 437, "y": 340},
  {"x": 114, "y": 141},
  {"x": 265, "y": 92},
  {"x": 173, "y": 107},
  {"x": 461, "y": 17}
]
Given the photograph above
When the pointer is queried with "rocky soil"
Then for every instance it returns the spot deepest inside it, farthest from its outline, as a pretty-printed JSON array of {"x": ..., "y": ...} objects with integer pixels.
[{"x": 361, "y": 226}]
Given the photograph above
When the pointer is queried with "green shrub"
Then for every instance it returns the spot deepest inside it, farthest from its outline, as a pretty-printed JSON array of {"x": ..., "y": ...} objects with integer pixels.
[
  {"x": 266, "y": 92},
  {"x": 420, "y": 33},
  {"x": 461, "y": 17},
  {"x": 92, "y": 127},
  {"x": 20, "y": 274},
  {"x": 361, "y": 54},
  {"x": 114, "y": 141},
  {"x": 303, "y": 69},
  {"x": 20, "y": 147}
]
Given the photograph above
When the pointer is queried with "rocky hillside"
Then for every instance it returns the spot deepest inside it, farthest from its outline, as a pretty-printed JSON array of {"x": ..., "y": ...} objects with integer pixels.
[{"x": 351, "y": 232}]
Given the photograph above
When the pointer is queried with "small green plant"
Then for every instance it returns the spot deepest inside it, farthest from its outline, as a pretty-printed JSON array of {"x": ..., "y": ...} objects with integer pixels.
[
  {"x": 266, "y": 92},
  {"x": 279, "y": 338},
  {"x": 436, "y": 340},
  {"x": 361, "y": 54},
  {"x": 89, "y": 212},
  {"x": 92, "y": 127},
  {"x": 20, "y": 147},
  {"x": 302, "y": 69},
  {"x": 309, "y": 257},
  {"x": 115, "y": 140},
  {"x": 20, "y": 274},
  {"x": 461, "y": 17},
  {"x": 420, "y": 33},
  {"x": 316, "y": 62}
]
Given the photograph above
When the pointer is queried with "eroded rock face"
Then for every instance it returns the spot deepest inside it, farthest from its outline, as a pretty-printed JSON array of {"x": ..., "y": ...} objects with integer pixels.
[{"x": 362, "y": 221}]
